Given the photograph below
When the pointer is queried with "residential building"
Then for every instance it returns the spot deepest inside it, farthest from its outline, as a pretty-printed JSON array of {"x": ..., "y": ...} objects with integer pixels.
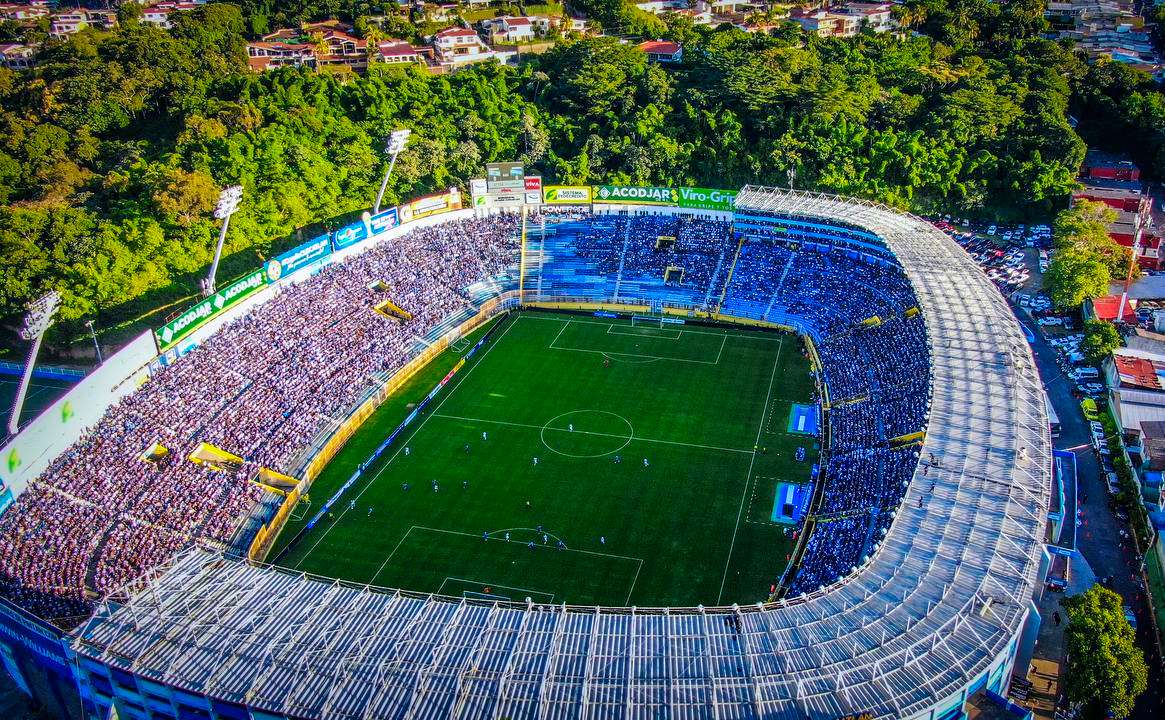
[
  {"x": 73, "y": 21},
  {"x": 64, "y": 24},
  {"x": 509, "y": 30},
  {"x": 1136, "y": 381},
  {"x": 1114, "y": 181},
  {"x": 160, "y": 13},
  {"x": 663, "y": 51},
  {"x": 23, "y": 12},
  {"x": 1100, "y": 165},
  {"x": 397, "y": 52},
  {"x": 826, "y": 23},
  {"x": 331, "y": 43},
  {"x": 875, "y": 17},
  {"x": 17, "y": 56},
  {"x": 457, "y": 46},
  {"x": 265, "y": 55}
]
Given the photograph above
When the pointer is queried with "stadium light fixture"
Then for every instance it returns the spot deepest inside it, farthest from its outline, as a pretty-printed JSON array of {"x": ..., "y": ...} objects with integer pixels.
[
  {"x": 228, "y": 203},
  {"x": 96, "y": 345},
  {"x": 396, "y": 143},
  {"x": 36, "y": 324}
]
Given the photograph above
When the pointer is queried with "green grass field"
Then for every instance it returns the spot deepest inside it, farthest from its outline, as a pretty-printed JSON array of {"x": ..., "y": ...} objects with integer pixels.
[{"x": 591, "y": 399}]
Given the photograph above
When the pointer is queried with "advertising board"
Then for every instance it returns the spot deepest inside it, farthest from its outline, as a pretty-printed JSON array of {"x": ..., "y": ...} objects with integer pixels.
[
  {"x": 298, "y": 258},
  {"x": 505, "y": 175},
  {"x": 636, "y": 195},
  {"x": 349, "y": 235},
  {"x": 430, "y": 205},
  {"x": 533, "y": 182},
  {"x": 566, "y": 194},
  {"x": 188, "y": 321},
  {"x": 382, "y": 222},
  {"x": 706, "y": 198}
]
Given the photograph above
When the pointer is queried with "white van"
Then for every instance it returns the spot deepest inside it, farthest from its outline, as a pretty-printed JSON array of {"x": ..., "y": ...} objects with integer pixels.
[{"x": 1089, "y": 373}]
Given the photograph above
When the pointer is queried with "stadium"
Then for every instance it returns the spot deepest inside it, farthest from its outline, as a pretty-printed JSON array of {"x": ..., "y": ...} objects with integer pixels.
[{"x": 567, "y": 452}]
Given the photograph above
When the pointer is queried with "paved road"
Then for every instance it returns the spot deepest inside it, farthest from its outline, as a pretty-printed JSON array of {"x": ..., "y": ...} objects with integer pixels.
[{"x": 1098, "y": 538}]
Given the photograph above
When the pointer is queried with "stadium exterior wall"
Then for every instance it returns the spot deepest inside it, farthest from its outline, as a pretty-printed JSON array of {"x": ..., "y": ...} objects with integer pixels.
[{"x": 60, "y": 425}]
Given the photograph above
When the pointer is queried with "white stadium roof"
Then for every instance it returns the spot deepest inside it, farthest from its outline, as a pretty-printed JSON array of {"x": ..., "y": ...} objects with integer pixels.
[{"x": 941, "y": 600}]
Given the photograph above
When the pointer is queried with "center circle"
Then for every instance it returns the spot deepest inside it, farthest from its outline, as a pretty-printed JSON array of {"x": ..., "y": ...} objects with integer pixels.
[{"x": 572, "y": 433}]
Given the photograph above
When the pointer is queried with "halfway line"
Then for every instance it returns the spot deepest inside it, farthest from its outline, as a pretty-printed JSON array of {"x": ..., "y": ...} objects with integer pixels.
[{"x": 587, "y": 432}]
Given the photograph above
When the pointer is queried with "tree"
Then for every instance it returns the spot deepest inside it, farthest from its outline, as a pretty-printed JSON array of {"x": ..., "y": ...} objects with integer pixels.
[
  {"x": 1106, "y": 669},
  {"x": 1074, "y": 276},
  {"x": 1100, "y": 339},
  {"x": 1084, "y": 227}
]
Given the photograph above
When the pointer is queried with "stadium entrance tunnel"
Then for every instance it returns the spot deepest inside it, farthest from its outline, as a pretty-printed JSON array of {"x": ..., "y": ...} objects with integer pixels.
[{"x": 587, "y": 433}]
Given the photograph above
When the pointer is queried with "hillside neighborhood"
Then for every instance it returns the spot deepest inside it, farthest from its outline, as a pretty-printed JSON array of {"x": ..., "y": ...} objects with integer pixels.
[{"x": 480, "y": 31}]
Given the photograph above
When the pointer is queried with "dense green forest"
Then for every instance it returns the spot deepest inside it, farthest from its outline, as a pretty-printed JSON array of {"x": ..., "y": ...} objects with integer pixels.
[{"x": 113, "y": 149}]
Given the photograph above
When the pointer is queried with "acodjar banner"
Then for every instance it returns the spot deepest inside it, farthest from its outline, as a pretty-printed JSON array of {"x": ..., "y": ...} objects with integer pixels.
[
  {"x": 636, "y": 195},
  {"x": 196, "y": 316},
  {"x": 706, "y": 198}
]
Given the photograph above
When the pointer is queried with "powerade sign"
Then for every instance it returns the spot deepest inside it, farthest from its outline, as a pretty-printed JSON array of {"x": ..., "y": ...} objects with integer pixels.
[
  {"x": 566, "y": 194},
  {"x": 297, "y": 258},
  {"x": 707, "y": 198},
  {"x": 636, "y": 195},
  {"x": 193, "y": 318},
  {"x": 383, "y": 222},
  {"x": 349, "y": 236}
]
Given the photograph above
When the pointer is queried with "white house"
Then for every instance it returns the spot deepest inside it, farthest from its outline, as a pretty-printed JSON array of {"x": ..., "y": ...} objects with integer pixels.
[
  {"x": 17, "y": 56},
  {"x": 458, "y": 46}
]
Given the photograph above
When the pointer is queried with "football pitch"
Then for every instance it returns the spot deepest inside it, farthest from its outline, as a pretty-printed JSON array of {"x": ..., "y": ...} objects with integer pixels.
[{"x": 577, "y": 459}]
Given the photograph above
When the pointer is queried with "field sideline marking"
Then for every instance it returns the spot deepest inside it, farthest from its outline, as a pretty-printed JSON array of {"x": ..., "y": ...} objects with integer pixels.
[
  {"x": 755, "y": 336},
  {"x": 587, "y": 432},
  {"x": 403, "y": 444},
  {"x": 748, "y": 479}
]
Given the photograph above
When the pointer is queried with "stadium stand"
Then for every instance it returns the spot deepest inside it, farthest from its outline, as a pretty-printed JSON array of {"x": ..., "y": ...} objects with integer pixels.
[
  {"x": 912, "y": 585},
  {"x": 261, "y": 389}
]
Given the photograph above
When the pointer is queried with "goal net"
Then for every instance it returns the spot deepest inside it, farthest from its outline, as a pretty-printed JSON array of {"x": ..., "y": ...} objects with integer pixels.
[{"x": 646, "y": 321}]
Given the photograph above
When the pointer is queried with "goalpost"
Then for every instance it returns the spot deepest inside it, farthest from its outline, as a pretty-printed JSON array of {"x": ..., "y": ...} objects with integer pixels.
[{"x": 646, "y": 321}]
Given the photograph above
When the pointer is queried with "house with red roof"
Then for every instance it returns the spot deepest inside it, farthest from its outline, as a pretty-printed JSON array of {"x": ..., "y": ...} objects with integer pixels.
[
  {"x": 663, "y": 51},
  {"x": 321, "y": 44},
  {"x": 1106, "y": 308},
  {"x": 267, "y": 55},
  {"x": 397, "y": 52}
]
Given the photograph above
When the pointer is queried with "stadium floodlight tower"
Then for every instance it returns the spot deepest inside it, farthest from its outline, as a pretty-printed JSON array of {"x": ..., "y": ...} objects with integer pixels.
[
  {"x": 396, "y": 143},
  {"x": 228, "y": 203},
  {"x": 36, "y": 323}
]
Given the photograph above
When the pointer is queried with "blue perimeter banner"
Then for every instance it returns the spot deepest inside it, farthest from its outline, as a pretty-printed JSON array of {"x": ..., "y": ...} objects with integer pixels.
[
  {"x": 299, "y": 257},
  {"x": 395, "y": 434},
  {"x": 384, "y": 221},
  {"x": 350, "y": 235}
]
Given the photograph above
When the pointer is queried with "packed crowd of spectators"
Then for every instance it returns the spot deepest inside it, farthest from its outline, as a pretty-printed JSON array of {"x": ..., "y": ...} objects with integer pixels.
[
  {"x": 264, "y": 385},
  {"x": 260, "y": 388},
  {"x": 644, "y": 247}
]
